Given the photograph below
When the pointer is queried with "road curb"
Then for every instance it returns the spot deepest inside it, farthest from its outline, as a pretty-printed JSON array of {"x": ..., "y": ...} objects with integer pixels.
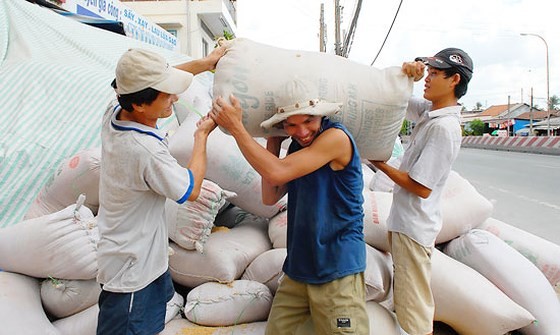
[{"x": 548, "y": 145}]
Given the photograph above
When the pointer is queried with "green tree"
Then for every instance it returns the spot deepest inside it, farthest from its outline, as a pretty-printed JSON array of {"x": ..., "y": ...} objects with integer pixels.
[
  {"x": 554, "y": 102},
  {"x": 477, "y": 127},
  {"x": 478, "y": 106},
  {"x": 405, "y": 128}
]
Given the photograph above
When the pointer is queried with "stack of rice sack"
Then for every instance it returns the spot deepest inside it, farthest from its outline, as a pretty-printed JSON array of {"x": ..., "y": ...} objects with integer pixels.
[
  {"x": 48, "y": 261},
  {"x": 49, "y": 267},
  {"x": 505, "y": 278},
  {"x": 227, "y": 248}
]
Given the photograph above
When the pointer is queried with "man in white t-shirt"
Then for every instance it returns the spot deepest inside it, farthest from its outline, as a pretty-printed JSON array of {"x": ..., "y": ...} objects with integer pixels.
[
  {"x": 415, "y": 217},
  {"x": 137, "y": 175}
]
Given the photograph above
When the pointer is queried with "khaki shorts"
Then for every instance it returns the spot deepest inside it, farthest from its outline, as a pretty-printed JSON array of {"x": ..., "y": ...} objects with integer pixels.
[
  {"x": 337, "y": 307},
  {"x": 414, "y": 303}
]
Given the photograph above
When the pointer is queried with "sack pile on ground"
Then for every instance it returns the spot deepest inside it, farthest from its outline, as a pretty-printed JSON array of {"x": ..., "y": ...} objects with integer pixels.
[
  {"x": 227, "y": 249},
  {"x": 482, "y": 284}
]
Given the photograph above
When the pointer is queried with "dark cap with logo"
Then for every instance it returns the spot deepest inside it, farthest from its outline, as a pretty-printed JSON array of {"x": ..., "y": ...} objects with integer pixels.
[{"x": 451, "y": 58}]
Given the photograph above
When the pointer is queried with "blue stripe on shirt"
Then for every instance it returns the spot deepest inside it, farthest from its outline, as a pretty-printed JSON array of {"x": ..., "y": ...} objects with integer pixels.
[{"x": 189, "y": 190}]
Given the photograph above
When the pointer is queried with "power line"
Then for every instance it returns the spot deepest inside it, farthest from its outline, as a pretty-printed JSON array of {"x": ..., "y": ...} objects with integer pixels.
[{"x": 388, "y": 32}]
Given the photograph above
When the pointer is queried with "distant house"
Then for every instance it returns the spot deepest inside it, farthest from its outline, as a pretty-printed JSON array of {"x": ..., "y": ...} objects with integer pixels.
[
  {"x": 504, "y": 117},
  {"x": 538, "y": 124}
]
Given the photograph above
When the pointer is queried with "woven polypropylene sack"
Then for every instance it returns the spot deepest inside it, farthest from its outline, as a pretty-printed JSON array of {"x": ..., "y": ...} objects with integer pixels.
[
  {"x": 62, "y": 245},
  {"x": 373, "y": 100},
  {"x": 541, "y": 252},
  {"x": 62, "y": 298},
  {"x": 20, "y": 306},
  {"x": 514, "y": 274},
  {"x": 215, "y": 304},
  {"x": 189, "y": 224},
  {"x": 226, "y": 167},
  {"x": 470, "y": 303}
]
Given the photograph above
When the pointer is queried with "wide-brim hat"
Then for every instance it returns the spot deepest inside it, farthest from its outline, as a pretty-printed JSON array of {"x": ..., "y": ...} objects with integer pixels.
[
  {"x": 299, "y": 97},
  {"x": 139, "y": 69},
  {"x": 310, "y": 107}
]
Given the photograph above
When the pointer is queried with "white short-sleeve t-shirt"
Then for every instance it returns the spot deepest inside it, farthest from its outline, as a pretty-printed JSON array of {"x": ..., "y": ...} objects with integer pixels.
[
  {"x": 433, "y": 147},
  {"x": 137, "y": 175}
]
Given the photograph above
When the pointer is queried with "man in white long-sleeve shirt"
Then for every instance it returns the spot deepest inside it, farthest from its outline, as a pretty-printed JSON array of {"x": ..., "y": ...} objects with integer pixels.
[{"x": 415, "y": 218}]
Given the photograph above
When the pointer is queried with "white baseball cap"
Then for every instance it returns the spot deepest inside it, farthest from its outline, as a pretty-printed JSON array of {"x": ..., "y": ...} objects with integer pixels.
[{"x": 139, "y": 69}]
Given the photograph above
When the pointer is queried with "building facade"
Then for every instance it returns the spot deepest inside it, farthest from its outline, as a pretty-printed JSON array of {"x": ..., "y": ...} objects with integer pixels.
[
  {"x": 195, "y": 23},
  {"x": 185, "y": 26}
]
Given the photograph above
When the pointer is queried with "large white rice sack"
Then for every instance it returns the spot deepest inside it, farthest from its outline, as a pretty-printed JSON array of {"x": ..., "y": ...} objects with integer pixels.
[
  {"x": 381, "y": 320},
  {"x": 62, "y": 298},
  {"x": 183, "y": 326},
  {"x": 470, "y": 303},
  {"x": 20, "y": 306},
  {"x": 267, "y": 268},
  {"x": 82, "y": 323},
  {"x": 226, "y": 167},
  {"x": 62, "y": 245},
  {"x": 376, "y": 211},
  {"x": 373, "y": 100},
  {"x": 368, "y": 174},
  {"x": 380, "y": 181},
  {"x": 189, "y": 224},
  {"x": 174, "y": 307},
  {"x": 85, "y": 322},
  {"x": 197, "y": 98},
  {"x": 215, "y": 304},
  {"x": 227, "y": 254},
  {"x": 378, "y": 275},
  {"x": 76, "y": 175},
  {"x": 463, "y": 208},
  {"x": 277, "y": 229},
  {"x": 541, "y": 252},
  {"x": 514, "y": 274}
]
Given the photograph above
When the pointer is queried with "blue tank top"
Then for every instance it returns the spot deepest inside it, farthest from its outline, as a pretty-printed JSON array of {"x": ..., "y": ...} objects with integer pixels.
[{"x": 325, "y": 221}]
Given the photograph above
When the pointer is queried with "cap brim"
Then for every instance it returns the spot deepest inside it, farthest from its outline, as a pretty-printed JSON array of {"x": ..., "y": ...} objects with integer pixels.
[
  {"x": 176, "y": 82},
  {"x": 322, "y": 108},
  {"x": 434, "y": 62}
]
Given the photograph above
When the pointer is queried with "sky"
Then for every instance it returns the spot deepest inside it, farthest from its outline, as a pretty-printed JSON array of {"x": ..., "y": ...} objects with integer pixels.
[{"x": 506, "y": 64}]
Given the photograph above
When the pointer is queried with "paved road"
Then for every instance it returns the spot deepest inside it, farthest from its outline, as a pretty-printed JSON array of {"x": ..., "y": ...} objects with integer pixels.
[{"x": 525, "y": 188}]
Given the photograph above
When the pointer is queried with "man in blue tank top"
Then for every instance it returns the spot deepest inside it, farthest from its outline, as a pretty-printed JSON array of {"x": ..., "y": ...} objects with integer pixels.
[{"x": 322, "y": 175}]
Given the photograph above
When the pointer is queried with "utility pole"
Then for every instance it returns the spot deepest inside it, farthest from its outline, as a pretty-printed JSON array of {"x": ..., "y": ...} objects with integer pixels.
[
  {"x": 531, "y": 115},
  {"x": 349, "y": 37},
  {"x": 322, "y": 47},
  {"x": 337, "y": 44},
  {"x": 508, "y": 118}
]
